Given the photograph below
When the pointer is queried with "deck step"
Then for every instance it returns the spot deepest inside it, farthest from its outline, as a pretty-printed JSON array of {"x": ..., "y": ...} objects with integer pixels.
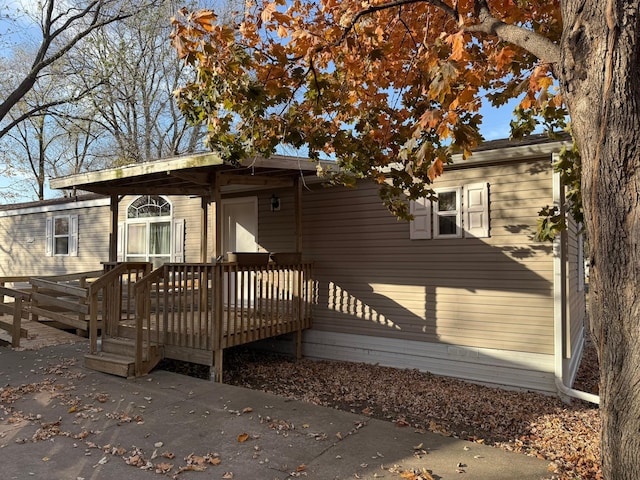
[
  {"x": 123, "y": 366},
  {"x": 119, "y": 346}
]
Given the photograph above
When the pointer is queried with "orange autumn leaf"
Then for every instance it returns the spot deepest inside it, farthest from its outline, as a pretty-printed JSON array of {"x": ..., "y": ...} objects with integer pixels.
[
  {"x": 243, "y": 437},
  {"x": 358, "y": 81},
  {"x": 435, "y": 169}
]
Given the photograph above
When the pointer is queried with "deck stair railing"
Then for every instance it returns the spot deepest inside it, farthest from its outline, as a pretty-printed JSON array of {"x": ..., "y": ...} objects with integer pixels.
[
  {"x": 174, "y": 307},
  {"x": 111, "y": 300}
]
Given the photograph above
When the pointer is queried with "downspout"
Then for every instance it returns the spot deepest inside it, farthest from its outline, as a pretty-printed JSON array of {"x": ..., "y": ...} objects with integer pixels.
[{"x": 560, "y": 301}]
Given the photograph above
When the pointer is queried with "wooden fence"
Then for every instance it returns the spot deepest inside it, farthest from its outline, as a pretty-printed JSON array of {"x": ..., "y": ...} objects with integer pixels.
[
  {"x": 62, "y": 299},
  {"x": 16, "y": 311}
]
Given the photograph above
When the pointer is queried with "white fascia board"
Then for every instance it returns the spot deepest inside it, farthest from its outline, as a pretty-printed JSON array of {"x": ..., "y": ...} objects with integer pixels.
[
  {"x": 508, "y": 154},
  {"x": 137, "y": 170},
  {"x": 58, "y": 207}
]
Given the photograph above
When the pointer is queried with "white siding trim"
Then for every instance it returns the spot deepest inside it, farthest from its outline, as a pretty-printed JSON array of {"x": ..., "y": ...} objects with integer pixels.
[
  {"x": 511, "y": 369},
  {"x": 71, "y": 205}
]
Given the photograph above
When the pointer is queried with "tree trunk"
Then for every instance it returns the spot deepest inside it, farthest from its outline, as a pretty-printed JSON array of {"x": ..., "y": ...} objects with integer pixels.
[{"x": 599, "y": 80}]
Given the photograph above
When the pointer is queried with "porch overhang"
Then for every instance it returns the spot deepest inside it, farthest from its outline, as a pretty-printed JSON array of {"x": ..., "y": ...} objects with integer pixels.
[
  {"x": 195, "y": 175},
  {"x": 204, "y": 175}
]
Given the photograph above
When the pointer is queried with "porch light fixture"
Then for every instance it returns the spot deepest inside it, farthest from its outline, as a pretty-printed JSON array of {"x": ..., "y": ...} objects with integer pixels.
[{"x": 275, "y": 203}]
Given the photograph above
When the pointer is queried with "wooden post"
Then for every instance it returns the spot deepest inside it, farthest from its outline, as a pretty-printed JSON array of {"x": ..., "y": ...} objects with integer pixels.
[
  {"x": 297, "y": 285},
  {"x": 113, "y": 229},
  {"x": 17, "y": 321},
  {"x": 217, "y": 324},
  {"x": 204, "y": 228},
  {"x": 218, "y": 202},
  {"x": 298, "y": 212}
]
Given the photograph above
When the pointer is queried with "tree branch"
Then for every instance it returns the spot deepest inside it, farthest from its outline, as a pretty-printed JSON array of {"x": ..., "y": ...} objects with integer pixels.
[
  {"x": 45, "y": 106},
  {"x": 541, "y": 47},
  {"x": 41, "y": 60},
  {"x": 397, "y": 3},
  {"x": 536, "y": 44}
]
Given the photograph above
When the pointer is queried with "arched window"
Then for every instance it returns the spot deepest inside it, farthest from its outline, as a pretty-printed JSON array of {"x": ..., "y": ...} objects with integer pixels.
[{"x": 148, "y": 231}]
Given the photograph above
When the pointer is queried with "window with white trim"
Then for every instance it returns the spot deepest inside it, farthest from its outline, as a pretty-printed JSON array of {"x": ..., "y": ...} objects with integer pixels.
[
  {"x": 447, "y": 215},
  {"x": 62, "y": 236},
  {"x": 459, "y": 212},
  {"x": 150, "y": 233}
]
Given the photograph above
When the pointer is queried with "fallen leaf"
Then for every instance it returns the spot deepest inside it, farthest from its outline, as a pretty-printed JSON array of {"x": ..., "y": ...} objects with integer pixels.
[
  {"x": 163, "y": 467},
  {"x": 227, "y": 475},
  {"x": 243, "y": 437}
]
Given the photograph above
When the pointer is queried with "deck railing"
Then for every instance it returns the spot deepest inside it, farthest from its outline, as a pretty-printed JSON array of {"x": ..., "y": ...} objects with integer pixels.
[
  {"x": 191, "y": 308},
  {"x": 16, "y": 311},
  {"x": 62, "y": 298},
  {"x": 111, "y": 299},
  {"x": 263, "y": 301},
  {"x": 173, "y": 308}
]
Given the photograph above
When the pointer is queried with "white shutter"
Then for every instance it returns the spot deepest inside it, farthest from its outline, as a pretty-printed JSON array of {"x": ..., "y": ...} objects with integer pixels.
[
  {"x": 420, "y": 226},
  {"x": 73, "y": 235},
  {"x": 48, "y": 247},
  {"x": 177, "y": 241},
  {"x": 120, "y": 244},
  {"x": 476, "y": 210}
]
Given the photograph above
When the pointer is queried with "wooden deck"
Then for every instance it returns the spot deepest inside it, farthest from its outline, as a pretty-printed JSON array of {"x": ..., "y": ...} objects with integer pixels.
[
  {"x": 134, "y": 316},
  {"x": 193, "y": 312},
  {"x": 39, "y": 335}
]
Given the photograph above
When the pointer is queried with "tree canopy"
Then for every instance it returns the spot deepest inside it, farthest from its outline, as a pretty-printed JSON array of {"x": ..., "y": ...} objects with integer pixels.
[{"x": 391, "y": 90}]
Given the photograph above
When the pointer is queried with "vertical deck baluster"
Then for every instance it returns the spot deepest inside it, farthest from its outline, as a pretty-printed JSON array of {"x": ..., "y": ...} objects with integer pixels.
[
  {"x": 239, "y": 314},
  {"x": 190, "y": 284}
]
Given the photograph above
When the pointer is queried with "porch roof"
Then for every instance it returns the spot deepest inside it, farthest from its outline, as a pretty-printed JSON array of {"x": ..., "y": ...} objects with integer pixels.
[{"x": 197, "y": 174}]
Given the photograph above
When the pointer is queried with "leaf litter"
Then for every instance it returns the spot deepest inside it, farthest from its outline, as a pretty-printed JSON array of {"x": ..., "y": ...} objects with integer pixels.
[{"x": 530, "y": 423}]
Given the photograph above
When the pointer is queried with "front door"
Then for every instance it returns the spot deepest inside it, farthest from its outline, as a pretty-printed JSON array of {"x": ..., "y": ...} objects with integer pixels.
[
  {"x": 240, "y": 234},
  {"x": 240, "y": 224}
]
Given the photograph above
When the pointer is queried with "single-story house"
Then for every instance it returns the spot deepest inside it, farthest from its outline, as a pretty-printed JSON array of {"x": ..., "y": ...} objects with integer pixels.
[{"x": 463, "y": 290}]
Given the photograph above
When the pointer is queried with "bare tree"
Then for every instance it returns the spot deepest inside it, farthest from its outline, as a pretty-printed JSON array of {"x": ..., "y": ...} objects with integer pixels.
[
  {"x": 137, "y": 72},
  {"x": 62, "y": 26}
]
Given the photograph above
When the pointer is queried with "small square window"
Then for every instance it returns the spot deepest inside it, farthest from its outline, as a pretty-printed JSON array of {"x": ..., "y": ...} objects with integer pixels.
[
  {"x": 447, "y": 214},
  {"x": 61, "y": 236}
]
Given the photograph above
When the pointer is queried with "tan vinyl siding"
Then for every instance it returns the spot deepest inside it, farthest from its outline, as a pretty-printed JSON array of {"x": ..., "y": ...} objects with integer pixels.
[
  {"x": 190, "y": 210},
  {"x": 277, "y": 230},
  {"x": 489, "y": 293},
  {"x": 24, "y": 240}
]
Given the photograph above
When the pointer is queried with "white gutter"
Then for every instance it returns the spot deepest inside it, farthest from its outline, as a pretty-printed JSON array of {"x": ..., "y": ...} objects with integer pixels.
[{"x": 560, "y": 303}]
